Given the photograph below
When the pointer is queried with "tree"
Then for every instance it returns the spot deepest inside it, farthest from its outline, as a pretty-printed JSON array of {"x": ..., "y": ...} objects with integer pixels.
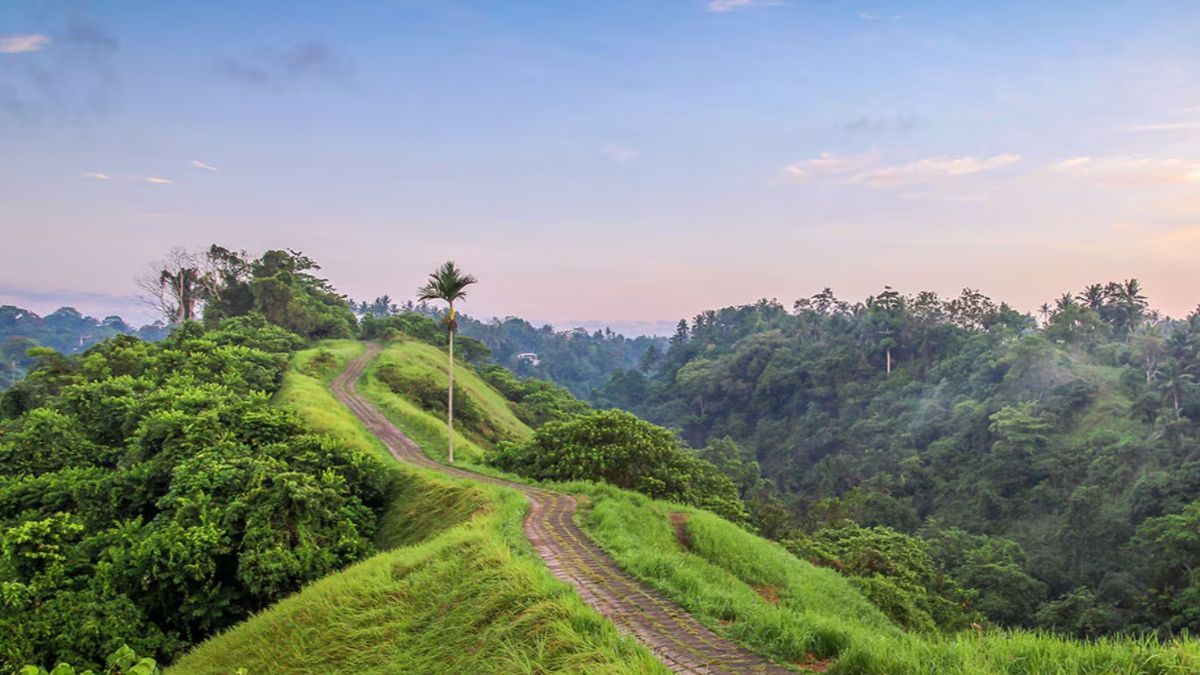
[
  {"x": 175, "y": 286},
  {"x": 615, "y": 447},
  {"x": 449, "y": 284}
]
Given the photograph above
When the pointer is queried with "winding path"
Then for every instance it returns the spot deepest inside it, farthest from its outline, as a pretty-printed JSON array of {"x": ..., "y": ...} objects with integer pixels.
[{"x": 675, "y": 637}]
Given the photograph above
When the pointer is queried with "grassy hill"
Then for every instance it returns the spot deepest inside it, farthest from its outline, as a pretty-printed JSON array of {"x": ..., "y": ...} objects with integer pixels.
[{"x": 463, "y": 592}]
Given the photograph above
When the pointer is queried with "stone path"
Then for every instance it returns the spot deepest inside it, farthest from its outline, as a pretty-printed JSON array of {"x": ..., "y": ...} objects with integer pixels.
[{"x": 675, "y": 637}]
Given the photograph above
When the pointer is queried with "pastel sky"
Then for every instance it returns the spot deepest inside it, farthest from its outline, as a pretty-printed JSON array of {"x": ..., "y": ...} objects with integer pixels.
[{"x": 624, "y": 162}]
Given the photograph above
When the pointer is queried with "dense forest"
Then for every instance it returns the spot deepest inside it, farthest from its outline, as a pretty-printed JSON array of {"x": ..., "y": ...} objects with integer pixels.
[
  {"x": 1043, "y": 473},
  {"x": 65, "y": 330},
  {"x": 575, "y": 359}
]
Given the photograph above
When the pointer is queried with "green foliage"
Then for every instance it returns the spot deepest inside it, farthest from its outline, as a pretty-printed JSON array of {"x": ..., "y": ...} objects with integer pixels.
[
  {"x": 409, "y": 325},
  {"x": 1171, "y": 546},
  {"x": 154, "y": 496},
  {"x": 281, "y": 287},
  {"x": 575, "y": 359},
  {"x": 65, "y": 330},
  {"x": 534, "y": 401},
  {"x": 622, "y": 450},
  {"x": 993, "y": 570},
  {"x": 893, "y": 570},
  {"x": 124, "y": 661}
]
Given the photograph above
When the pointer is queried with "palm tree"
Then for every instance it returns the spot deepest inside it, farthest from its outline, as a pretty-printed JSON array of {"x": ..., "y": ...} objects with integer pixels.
[
  {"x": 1093, "y": 297},
  {"x": 448, "y": 283}
]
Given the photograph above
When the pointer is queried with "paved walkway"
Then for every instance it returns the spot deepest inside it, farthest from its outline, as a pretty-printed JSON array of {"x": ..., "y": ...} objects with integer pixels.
[{"x": 675, "y": 637}]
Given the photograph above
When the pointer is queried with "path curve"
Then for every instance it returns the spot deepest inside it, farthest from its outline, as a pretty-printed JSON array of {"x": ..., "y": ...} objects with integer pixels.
[{"x": 675, "y": 637}]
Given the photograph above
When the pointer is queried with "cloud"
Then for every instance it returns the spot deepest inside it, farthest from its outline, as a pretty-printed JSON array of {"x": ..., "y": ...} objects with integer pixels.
[
  {"x": 868, "y": 170},
  {"x": 272, "y": 65},
  {"x": 201, "y": 165},
  {"x": 829, "y": 164},
  {"x": 619, "y": 153},
  {"x": 97, "y": 175},
  {"x": 931, "y": 168},
  {"x": 731, "y": 5},
  {"x": 20, "y": 44},
  {"x": 155, "y": 180},
  {"x": 1130, "y": 171}
]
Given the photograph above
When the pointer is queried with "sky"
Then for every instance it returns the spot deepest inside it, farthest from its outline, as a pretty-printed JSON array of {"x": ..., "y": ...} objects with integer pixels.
[{"x": 622, "y": 163}]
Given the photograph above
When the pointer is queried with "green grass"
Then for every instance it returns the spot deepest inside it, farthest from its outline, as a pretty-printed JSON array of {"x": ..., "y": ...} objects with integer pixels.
[{"x": 459, "y": 591}]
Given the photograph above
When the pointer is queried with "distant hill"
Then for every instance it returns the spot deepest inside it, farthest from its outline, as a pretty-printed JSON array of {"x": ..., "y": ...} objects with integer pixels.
[{"x": 65, "y": 330}]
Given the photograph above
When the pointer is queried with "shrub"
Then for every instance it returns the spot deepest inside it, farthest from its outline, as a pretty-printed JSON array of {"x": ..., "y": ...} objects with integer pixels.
[{"x": 618, "y": 448}]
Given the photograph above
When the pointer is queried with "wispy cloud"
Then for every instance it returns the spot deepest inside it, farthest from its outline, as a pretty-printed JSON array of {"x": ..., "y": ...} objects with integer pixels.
[
  {"x": 731, "y": 5},
  {"x": 619, "y": 152},
  {"x": 201, "y": 165},
  {"x": 273, "y": 65},
  {"x": 829, "y": 164},
  {"x": 1130, "y": 170},
  {"x": 97, "y": 175},
  {"x": 931, "y": 168},
  {"x": 869, "y": 170},
  {"x": 20, "y": 44},
  {"x": 155, "y": 180}
]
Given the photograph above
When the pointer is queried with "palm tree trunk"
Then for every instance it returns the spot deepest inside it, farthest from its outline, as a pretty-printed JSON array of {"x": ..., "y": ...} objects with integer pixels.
[{"x": 450, "y": 395}]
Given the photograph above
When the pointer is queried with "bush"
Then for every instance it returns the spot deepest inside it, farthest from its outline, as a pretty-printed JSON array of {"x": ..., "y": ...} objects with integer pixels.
[
  {"x": 534, "y": 401},
  {"x": 618, "y": 448},
  {"x": 893, "y": 570}
]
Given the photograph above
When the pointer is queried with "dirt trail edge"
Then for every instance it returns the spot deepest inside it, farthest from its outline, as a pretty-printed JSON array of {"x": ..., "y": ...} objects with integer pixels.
[{"x": 675, "y": 637}]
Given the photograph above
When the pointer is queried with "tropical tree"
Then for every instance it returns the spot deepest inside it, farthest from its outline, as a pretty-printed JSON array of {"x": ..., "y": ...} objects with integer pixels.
[
  {"x": 448, "y": 283},
  {"x": 175, "y": 286}
]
